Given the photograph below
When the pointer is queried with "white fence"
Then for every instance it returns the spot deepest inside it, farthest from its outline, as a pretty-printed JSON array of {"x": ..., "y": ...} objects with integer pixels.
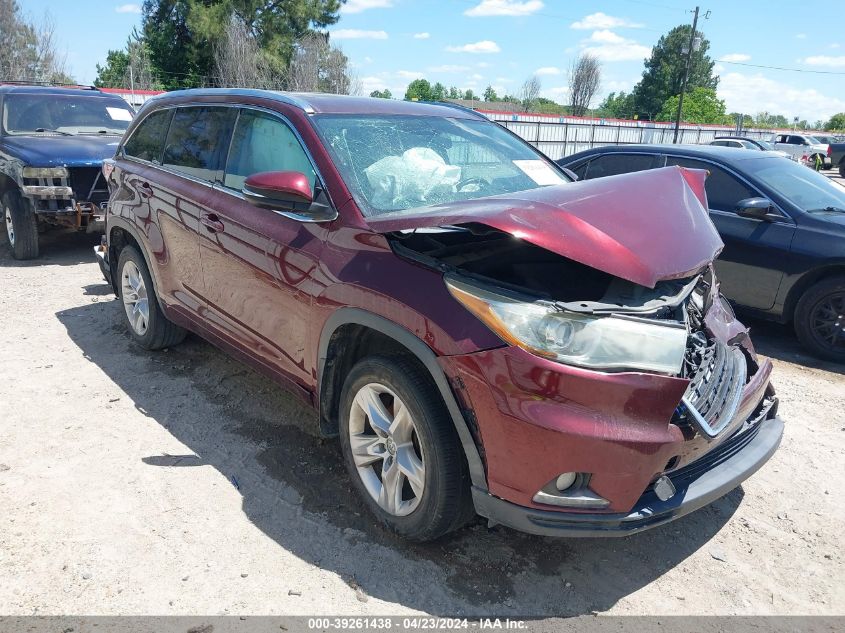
[{"x": 562, "y": 136}]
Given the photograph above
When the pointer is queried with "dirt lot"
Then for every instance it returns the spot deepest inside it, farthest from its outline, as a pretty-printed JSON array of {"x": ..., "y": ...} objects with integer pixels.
[{"x": 181, "y": 482}]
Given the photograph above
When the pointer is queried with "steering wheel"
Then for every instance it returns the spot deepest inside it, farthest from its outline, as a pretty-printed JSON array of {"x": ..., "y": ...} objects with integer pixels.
[{"x": 479, "y": 182}]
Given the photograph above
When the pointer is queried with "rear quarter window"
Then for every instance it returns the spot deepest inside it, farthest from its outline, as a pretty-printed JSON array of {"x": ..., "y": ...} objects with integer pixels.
[
  {"x": 198, "y": 140},
  {"x": 147, "y": 141}
]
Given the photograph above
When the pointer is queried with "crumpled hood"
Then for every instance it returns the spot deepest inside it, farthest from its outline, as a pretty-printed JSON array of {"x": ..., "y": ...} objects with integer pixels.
[
  {"x": 56, "y": 151},
  {"x": 645, "y": 227}
]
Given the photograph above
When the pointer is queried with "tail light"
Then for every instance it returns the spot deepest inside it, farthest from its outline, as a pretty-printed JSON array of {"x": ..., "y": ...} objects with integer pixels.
[{"x": 828, "y": 150}]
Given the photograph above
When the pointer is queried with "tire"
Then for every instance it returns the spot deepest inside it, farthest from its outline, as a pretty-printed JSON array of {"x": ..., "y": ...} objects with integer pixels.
[
  {"x": 443, "y": 503},
  {"x": 20, "y": 226},
  {"x": 820, "y": 319},
  {"x": 842, "y": 170},
  {"x": 147, "y": 324}
]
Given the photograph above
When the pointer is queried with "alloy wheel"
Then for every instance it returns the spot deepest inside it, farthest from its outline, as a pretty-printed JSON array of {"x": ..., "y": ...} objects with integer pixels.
[
  {"x": 133, "y": 290},
  {"x": 386, "y": 449},
  {"x": 827, "y": 320},
  {"x": 10, "y": 227}
]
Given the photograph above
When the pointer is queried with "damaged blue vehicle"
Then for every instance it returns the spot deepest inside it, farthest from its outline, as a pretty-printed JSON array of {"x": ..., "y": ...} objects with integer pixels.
[{"x": 52, "y": 144}]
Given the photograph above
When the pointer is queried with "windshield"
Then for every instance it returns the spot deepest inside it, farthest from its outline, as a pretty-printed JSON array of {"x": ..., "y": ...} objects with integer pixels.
[
  {"x": 394, "y": 163},
  {"x": 765, "y": 145},
  {"x": 825, "y": 139},
  {"x": 805, "y": 188},
  {"x": 64, "y": 114}
]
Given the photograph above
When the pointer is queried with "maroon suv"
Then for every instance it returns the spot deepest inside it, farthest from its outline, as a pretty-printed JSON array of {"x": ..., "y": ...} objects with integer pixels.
[{"x": 483, "y": 334}]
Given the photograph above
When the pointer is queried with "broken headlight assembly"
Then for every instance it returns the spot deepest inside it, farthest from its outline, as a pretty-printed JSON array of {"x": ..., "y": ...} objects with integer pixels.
[
  {"x": 613, "y": 342},
  {"x": 44, "y": 172}
]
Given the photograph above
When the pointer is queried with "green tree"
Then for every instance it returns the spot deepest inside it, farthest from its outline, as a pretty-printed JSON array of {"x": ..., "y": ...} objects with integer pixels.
[
  {"x": 382, "y": 94},
  {"x": 183, "y": 35},
  {"x": 701, "y": 105},
  {"x": 747, "y": 120},
  {"x": 490, "y": 94},
  {"x": 438, "y": 92},
  {"x": 837, "y": 122},
  {"x": 454, "y": 93},
  {"x": 131, "y": 67},
  {"x": 469, "y": 95},
  {"x": 617, "y": 106},
  {"x": 418, "y": 90},
  {"x": 115, "y": 69},
  {"x": 28, "y": 51},
  {"x": 664, "y": 71}
]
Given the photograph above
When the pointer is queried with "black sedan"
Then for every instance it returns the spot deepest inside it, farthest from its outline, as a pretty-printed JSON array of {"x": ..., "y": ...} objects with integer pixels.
[{"x": 783, "y": 226}]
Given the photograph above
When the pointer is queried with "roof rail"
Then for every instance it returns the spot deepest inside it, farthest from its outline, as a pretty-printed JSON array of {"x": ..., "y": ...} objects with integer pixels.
[
  {"x": 48, "y": 84},
  {"x": 449, "y": 104}
]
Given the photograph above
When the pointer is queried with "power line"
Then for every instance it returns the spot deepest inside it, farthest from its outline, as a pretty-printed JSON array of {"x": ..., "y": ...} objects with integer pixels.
[{"x": 794, "y": 70}]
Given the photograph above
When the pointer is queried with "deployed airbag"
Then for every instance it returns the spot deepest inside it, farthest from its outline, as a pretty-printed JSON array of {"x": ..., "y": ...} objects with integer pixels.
[{"x": 419, "y": 175}]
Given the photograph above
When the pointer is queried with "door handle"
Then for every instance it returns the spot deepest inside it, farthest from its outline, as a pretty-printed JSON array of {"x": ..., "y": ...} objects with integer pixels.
[
  {"x": 145, "y": 190},
  {"x": 211, "y": 222}
]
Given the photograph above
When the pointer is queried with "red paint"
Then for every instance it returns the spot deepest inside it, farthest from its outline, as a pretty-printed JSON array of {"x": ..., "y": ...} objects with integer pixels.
[{"x": 281, "y": 185}]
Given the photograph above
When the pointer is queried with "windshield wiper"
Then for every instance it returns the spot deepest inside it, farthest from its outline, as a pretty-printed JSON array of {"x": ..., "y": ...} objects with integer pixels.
[
  {"x": 44, "y": 129},
  {"x": 827, "y": 210}
]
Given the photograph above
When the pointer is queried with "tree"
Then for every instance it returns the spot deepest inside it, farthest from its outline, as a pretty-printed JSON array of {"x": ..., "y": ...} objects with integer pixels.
[
  {"x": 28, "y": 51},
  {"x": 438, "y": 92},
  {"x": 381, "y": 94},
  {"x": 454, "y": 93},
  {"x": 469, "y": 95},
  {"x": 317, "y": 66},
  {"x": 617, "y": 106},
  {"x": 490, "y": 94},
  {"x": 664, "y": 71},
  {"x": 701, "y": 105},
  {"x": 747, "y": 121},
  {"x": 183, "y": 35},
  {"x": 529, "y": 93},
  {"x": 836, "y": 123},
  {"x": 584, "y": 82},
  {"x": 129, "y": 68},
  {"x": 239, "y": 61},
  {"x": 418, "y": 90}
]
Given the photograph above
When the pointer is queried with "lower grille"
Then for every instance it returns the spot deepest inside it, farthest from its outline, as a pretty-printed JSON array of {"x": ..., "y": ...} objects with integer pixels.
[
  {"x": 88, "y": 184},
  {"x": 715, "y": 390}
]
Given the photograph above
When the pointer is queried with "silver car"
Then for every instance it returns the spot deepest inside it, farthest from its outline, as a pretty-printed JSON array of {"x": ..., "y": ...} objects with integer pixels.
[{"x": 802, "y": 145}]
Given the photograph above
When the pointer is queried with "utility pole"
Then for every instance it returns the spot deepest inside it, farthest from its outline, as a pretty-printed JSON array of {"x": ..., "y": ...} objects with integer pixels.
[
  {"x": 686, "y": 75},
  {"x": 132, "y": 81}
]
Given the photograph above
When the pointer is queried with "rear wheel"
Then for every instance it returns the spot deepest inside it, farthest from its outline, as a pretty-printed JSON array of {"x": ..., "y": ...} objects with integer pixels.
[
  {"x": 20, "y": 228},
  {"x": 401, "y": 449},
  {"x": 820, "y": 319},
  {"x": 842, "y": 169},
  {"x": 147, "y": 323}
]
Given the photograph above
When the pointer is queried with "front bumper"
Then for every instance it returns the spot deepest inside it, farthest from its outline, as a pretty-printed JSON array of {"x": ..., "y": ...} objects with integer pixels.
[
  {"x": 696, "y": 486},
  {"x": 101, "y": 252}
]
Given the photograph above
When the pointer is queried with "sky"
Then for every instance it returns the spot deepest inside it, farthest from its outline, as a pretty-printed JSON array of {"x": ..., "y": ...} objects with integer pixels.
[{"x": 476, "y": 43}]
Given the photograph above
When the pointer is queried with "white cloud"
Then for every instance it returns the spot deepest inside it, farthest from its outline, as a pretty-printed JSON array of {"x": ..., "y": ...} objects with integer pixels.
[
  {"x": 357, "y": 34},
  {"x": 368, "y": 84},
  {"x": 128, "y": 8},
  {"x": 611, "y": 47},
  {"x": 448, "y": 68},
  {"x": 801, "y": 36},
  {"x": 409, "y": 74},
  {"x": 735, "y": 57},
  {"x": 825, "y": 60},
  {"x": 547, "y": 70},
  {"x": 504, "y": 80},
  {"x": 422, "y": 36},
  {"x": 483, "y": 64},
  {"x": 504, "y": 7},
  {"x": 835, "y": 45},
  {"x": 603, "y": 21},
  {"x": 751, "y": 94},
  {"x": 476, "y": 77},
  {"x": 356, "y": 6},
  {"x": 484, "y": 46}
]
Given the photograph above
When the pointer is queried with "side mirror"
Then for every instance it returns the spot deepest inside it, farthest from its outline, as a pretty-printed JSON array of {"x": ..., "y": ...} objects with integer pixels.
[
  {"x": 758, "y": 209},
  {"x": 287, "y": 193}
]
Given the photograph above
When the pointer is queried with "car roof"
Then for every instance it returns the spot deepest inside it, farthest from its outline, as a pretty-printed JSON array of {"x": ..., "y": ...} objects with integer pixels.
[
  {"x": 736, "y": 138},
  {"x": 320, "y": 103},
  {"x": 727, "y": 155}
]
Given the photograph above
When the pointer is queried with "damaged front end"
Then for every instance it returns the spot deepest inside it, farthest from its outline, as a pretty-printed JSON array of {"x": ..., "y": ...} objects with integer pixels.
[
  {"x": 67, "y": 197},
  {"x": 620, "y": 390}
]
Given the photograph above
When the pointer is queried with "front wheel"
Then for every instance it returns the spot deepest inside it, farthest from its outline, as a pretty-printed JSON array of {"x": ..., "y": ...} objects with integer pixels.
[
  {"x": 402, "y": 450},
  {"x": 147, "y": 323},
  {"x": 20, "y": 226},
  {"x": 820, "y": 319}
]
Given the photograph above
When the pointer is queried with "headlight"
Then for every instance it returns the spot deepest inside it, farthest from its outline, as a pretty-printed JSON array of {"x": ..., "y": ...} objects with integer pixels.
[
  {"x": 607, "y": 342},
  {"x": 45, "y": 172}
]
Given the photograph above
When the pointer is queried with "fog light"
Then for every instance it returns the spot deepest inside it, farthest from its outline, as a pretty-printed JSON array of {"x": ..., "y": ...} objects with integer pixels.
[
  {"x": 44, "y": 172},
  {"x": 565, "y": 481}
]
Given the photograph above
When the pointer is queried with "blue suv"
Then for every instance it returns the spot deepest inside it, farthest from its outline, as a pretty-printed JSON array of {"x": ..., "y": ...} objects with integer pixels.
[{"x": 52, "y": 145}]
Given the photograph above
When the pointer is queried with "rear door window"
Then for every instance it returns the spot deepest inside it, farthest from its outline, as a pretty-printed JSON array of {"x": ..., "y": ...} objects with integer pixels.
[
  {"x": 723, "y": 189},
  {"x": 614, "y": 164},
  {"x": 147, "y": 141},
  {"x": 197, "y": 141},
  {"x": 263, "y": 143}
]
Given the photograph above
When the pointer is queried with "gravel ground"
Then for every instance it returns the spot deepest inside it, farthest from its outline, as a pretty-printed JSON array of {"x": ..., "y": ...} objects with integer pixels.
[{"x": 181, "y": 482}]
